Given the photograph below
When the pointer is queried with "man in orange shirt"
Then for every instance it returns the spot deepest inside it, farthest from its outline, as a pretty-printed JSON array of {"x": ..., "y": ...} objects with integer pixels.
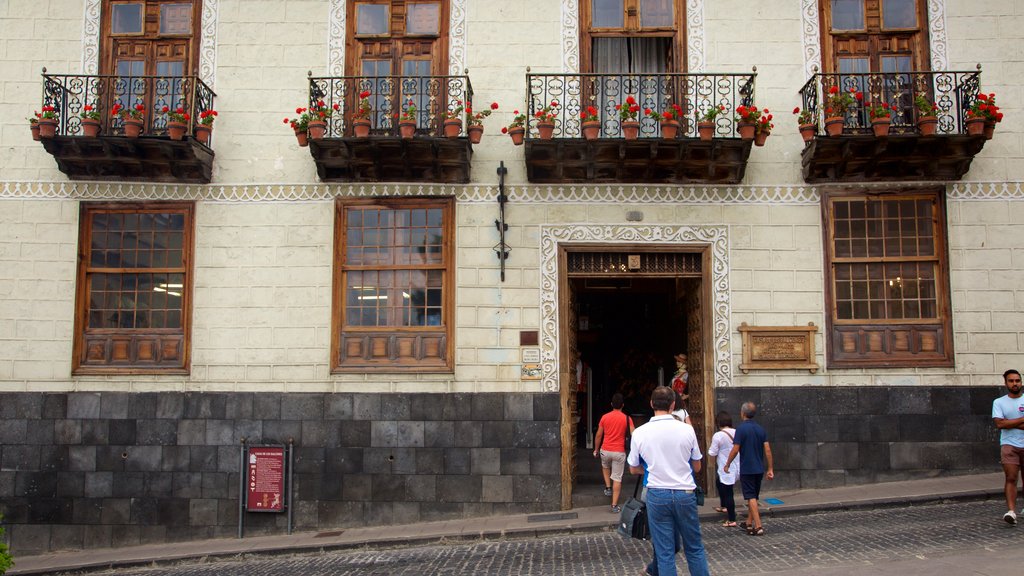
[{"x": 611, "y": 443}]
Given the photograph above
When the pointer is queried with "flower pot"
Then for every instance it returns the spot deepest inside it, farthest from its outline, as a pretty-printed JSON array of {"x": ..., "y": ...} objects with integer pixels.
[
  {"x": 834, "y": 125},
  {"x": 517, "y": 135},
  {"x": 807, "y": 131},
  {"x": 360, "y": 127},
  {"x": 90, "y": 127},
  {"x": 990, "y": 129},
  {"x": 880, "y": 126},
  {"x": 475, "y": 131},
  {"x": 132, "y": 128},
  {"x": 452, "y": 128},
  {"x": 407, "y": 128},
  {"x": 317, "y": 129},
  {"x": 975, "y": 126},
  {"x": 706, "y": 130},
  {"x": 546, "y": 130},
  {"x": 203, "y": 133},
  {"x": 34, "y": 127},
  {"x": 669, "y": 129},
  {"x": 746, "y": 130},
  {"x": 176, "y": 130},
  {"x": 630, "y": 129},
  {"x": 926, "y": 125},
  {"x": 302, "y": 138},
  {"x": 591, "y": 129},
  {"x": 47, "y": 128},
  {"x": 760, "y": 138}
]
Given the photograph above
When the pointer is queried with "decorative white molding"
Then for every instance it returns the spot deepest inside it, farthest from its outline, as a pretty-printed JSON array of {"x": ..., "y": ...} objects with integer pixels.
[
  {"x": 457, "y": 37},
  {"x": 811, "y": 36},
  {"x": 570, "y": 36},
  {"x": 695, "y": 35},
  {"x": 551, "y": 237},
  {"x": 937, "y": 34},
  {"x": 91, "y": 37},
  {"x": 986, "y": 191},
  {"x": 336, "y": 38}
]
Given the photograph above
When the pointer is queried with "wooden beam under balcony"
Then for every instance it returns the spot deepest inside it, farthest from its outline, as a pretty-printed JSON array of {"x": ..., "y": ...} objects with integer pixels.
[
  {"x": 392, "y": 159},
  {"x": 904, "y": 157},
  {"x": 143, "y": 159},
  {"x": 648, "y": 160}
]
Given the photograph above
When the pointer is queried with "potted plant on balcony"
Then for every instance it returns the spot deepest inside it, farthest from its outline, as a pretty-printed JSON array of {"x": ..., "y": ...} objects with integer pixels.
[
  {"x": 361, "y": 116},
  {"x": 706, "y": 122},
  {"x": 177, "y": 122},
  {"x": 407, "y": 120},
  {"x": 453, "y": 120},
  {"x": 33, "y": 124},
  {"x": 763, "y": 128},
  {"x": 131, "y": 118},
  {"x": 806, "y": 122},
  {"x": 300, "y": 125},
  {"x": 517, "y": 128},
  {"x": 48, "y": 122},
  {"x": 627, "y": 118},
  {"x": 318, "y": 115},
  {"x": 475, "y": 122},
  {"x": 90, "y": 121},
  {"x": 837, "y": 105},
  {"x": 546, "y": 117},
  {"x": 590, "y": 124},
  {"x": 667, "y": 119},
  {"x": 881, "y": 118},
  {"x": 927, "y": 119},
  {"x": 747, "y": 118},
  {"x": 983, "y": 115},
  {"x": 205, "y": 125}
]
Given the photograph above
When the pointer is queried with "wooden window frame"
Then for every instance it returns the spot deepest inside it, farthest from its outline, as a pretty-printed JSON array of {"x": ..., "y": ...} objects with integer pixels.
[
  {"x": 677, "y": 33},
  {"x": 136, "y": 343},
  {"x": 394, "y": 358},
  {"x": 396, "y": 39},
  {"x": 889, "y": 343},
  {"x": 920, "y": 52},
  {"x": 109, "y": 57}
]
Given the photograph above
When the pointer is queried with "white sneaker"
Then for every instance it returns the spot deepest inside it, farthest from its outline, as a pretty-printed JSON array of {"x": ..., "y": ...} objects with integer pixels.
[{"x": 1010, "y": 518}]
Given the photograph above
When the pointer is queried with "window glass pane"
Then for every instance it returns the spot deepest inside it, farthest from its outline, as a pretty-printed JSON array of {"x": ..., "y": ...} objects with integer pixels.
[
  {"x": 656, "y": 13},
  {"x": 126, "y": 18},
  {"x": 376, "y": 68},
  {"x": 894, "y": 64},
  {"x": 170, "y": 68},
  {"x": 131, "y": 67},
  {"x": 372, "y": 19},
  {"x": 176, "y": 18},
  {"x": 847, "y": 14},
  {"x": 423, "y": 19},
  {"x": 899, "y": 14},
  {"x": 853, "y": 66},
  {"x": 607, "y": 13}
]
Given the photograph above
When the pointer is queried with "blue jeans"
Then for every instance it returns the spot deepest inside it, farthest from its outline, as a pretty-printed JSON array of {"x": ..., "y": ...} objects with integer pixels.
[{"x": 672, "y": 516}]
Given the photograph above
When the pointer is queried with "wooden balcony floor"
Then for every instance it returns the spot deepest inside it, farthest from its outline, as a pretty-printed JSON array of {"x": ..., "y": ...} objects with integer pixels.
[
  {"x": 142, "y": 159},
  {"x": 392, "y": 159},
  {"x": 903, "y": 157}
]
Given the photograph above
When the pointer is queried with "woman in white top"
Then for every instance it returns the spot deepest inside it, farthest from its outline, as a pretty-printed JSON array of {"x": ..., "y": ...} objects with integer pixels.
[
  {"x": 721, "y": 444},
  {"x": 680, "y": 412}
]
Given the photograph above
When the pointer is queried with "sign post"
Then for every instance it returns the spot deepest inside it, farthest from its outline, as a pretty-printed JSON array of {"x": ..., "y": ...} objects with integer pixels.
[{"x": 266, "y": 474}]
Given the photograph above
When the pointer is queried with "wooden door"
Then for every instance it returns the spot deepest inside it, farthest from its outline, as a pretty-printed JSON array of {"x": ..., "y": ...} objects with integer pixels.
[
  {"x": 567, "y": 386},
  {"x": 700, "y": 404}
]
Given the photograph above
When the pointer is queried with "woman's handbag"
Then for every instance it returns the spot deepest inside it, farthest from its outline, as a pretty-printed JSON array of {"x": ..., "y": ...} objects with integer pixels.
[{"x": 633, "y": 520}]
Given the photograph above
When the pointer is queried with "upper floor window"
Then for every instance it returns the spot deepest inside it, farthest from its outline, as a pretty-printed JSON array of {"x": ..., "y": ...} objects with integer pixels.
[
  {"x": 397, "y": 38},
  {"x": 632, "y": 36},
  {"x": 133, "y": 298},
  {"x": 150, "y": 37},
  {"x": 886, "y": 36}
]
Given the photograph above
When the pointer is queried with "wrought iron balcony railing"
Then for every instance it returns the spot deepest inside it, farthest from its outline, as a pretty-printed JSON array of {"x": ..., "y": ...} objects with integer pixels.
[
  {"x": 389, "y": 96},
  {"x": 952, "y": 92},
  {"x": 69, "y": 94},
  {"x": 694, "y": 93}
]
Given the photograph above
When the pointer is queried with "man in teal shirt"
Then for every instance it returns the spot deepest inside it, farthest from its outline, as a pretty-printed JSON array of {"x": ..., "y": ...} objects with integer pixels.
[{"x": 1008, "y": 415}]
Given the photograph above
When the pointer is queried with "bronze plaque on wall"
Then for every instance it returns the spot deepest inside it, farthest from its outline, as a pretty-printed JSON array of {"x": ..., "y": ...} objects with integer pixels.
[{"x": 778, "y": 347}]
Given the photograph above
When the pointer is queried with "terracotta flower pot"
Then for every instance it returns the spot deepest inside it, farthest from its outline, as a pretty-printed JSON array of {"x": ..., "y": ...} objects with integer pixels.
[
  {"x": 47, "y": 128},
  {"x": 546, "y": 130},
  {"x": 176, "y": 130},
  {"x": 407, "y": 128},
  {"x": 475, "y": 131},
  {"x": 90, "y": 127},
  {"x": 630, "y": 129},
  {"x": 302, "y": 138},
  {"x": 669, "y": 129},
  {"x": 834, "y": 125},
  {"x": 360, "y": 127},
  {"x": 880, "y": 126},
  {"x": 926, "y": 125},
  {"x": 990, "y": 129},
  {"x": 706, "y": 130},
  {"x": 132, "y": 128},
  {"x": 975, "y": 126},
  {"x": 746, "y": 130},
  {"x": 807, "y": 131},
  {"x": 203, "y": 133},
  {"x": 760, "y": 138},
  {"x": 452, "y": 128},
  {"x": 517, "y": 135},
  {"x": 317, "y": 129},
  {"x": 34, "y": 127},
  {"x": 591, "y": 129}
]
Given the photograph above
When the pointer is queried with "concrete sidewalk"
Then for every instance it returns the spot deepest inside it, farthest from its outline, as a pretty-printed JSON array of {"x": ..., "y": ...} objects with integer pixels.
[{"x": 578, "y": 520}]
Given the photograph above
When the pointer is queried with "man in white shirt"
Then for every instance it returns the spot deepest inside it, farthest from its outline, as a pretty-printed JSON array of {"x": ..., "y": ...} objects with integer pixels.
[
  {"x": 1008, "y": 415},
  {"x": 670, "y": 450}
]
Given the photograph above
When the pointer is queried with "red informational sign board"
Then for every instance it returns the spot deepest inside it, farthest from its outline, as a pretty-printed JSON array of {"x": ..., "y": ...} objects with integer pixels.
[{"x": 265, "y": 479}]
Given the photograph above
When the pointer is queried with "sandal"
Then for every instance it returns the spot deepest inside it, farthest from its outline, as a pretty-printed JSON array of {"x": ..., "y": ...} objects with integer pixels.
[
  {"x": 759, "y": 531},
  {"x": 729, "y": 524},
  {"x": 720, "y": 509}
]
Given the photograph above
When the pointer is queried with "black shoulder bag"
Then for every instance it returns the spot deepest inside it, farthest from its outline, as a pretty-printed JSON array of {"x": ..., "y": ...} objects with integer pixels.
[{"x": 633, "y": 520}]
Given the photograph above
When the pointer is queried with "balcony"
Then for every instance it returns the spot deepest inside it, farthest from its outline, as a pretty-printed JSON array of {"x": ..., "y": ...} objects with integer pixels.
[
  {"x": 384, "y": 156},
  {"x": 151, "y": 157},
  {"x": 685, "y": 159},
  {"x": 905, "y": 154}
]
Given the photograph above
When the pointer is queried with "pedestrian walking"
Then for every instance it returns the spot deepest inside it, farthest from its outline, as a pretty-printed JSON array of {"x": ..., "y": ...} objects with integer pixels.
[
  {"x": 1008, "y": 415},
  {"x": 669, "y": 448},
  {"x": 680, "y": 409},
  {"x": 610, "y": 443},
  {"x": 751, "y": 444},
  {"x": 721, "y": 446}
]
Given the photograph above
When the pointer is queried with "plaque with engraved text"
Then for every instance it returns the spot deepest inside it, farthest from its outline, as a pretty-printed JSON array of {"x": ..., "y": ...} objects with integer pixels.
[{"x": 778, "y": 347}]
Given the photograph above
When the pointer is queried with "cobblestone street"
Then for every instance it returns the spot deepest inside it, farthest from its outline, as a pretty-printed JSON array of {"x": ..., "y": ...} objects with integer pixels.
[{"x": 833, "y": 540}]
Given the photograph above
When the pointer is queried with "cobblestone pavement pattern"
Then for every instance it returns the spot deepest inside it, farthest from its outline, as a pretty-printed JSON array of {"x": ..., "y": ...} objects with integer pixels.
[{"x": 829, "y": 540}]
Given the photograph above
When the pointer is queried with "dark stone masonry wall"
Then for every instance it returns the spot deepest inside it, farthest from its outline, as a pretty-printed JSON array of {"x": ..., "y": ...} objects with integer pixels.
[
  {"x": 822, "y": 437},
  {"x": 87, "y": 470}
]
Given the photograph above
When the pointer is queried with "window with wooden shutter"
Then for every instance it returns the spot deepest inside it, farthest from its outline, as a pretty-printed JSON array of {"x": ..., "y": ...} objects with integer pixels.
[
  {"x": 397, "y": 37},
  {"x": 393, "y": 291},
  {"x": 150, "y": 37},
  {"x": 134, "y": 293},
  {"x": 885, "y": 36},
  {"x": 632, "y": 36},
  {"x": 888, "y": 279}
]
